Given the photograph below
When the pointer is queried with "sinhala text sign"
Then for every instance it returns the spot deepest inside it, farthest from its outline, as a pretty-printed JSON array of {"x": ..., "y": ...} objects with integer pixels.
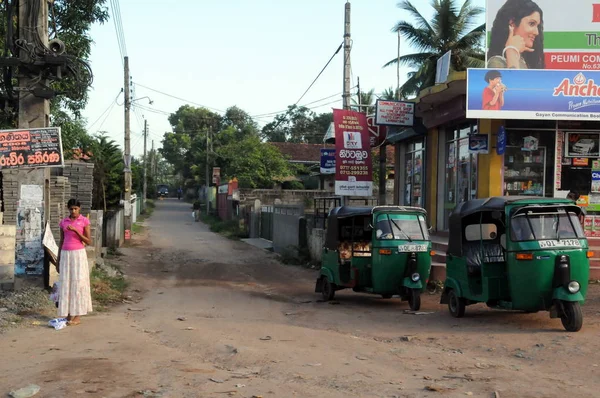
[
  {"x": 551, "y": 34},
  {"x": 394, "y": 113},
  {"x": 353, "y": 169},
  {"x": 533, "y": 94},
  {"x": 31, "y": 148}
]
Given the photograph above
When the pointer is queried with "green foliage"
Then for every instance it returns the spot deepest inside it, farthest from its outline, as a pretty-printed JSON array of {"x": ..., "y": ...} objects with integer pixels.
[
  {"x": 293, "y": 185},
  {"x": 108, "y": 172},
  {"x": 366, "y": 102},
  {"x": 230, "y": 229},
  {"x": 299, "y": 124},
  {"x": 105, "y": 289},
  {"x": 450, "y": 29}
]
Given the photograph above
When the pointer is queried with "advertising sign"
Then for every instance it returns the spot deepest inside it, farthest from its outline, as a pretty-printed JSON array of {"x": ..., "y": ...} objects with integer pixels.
[
  {"x": 549, "y": 36},
  {"x": 353, "y": 168},
  {"x": 582, "y": 145},
  {"x": 216, "y": 175},
  {"x": 327, "y": 161},
  {"x": 501, "y": 141},
  {"x": 31, "y": 148},
  {"x": 394, "y": 113},
  {"x": 479, "y": 143},
  {"x": 377, "y": 133},
  {"x": 533, "y": 94}
]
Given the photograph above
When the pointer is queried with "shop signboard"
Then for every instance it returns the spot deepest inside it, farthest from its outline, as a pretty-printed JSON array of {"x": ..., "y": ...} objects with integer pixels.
[
  {"x": 31, "y": 148},
  {"x": 327, "y": 161},
  {"x": 582, "y": 145},
  {"x": 394, "y": 113},
  {"x": 533, "y": 94},
  {"x": 501, "y": 141},
  {"x": 569, "y": 40},
  {"x": 353, "y": 168},
  {"x": 479, "y": 143},
  {"x": 377, "y": 133},
  {"x": 216, "y": 175}
]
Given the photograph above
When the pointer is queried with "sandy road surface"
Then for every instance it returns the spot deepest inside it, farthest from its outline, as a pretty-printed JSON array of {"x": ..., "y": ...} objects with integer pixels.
[{"x": 253, "y": 327}]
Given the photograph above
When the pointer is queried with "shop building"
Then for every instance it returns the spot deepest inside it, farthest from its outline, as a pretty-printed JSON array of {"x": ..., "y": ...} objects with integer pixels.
[{"x": 438, "y": 168}]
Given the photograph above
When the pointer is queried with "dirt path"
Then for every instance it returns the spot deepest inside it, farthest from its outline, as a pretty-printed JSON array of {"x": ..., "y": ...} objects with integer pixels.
[{"x": 253, "y": 327}]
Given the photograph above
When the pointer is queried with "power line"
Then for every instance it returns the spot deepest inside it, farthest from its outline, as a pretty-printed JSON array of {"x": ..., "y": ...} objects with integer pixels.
[
  {"x": 118, "y": 23},
  {"x": 112, "y": 103},
  {"x": 179, "y": 98},
  {"x": 321, "y": 72},
  {"x": 303, "y": 105}
]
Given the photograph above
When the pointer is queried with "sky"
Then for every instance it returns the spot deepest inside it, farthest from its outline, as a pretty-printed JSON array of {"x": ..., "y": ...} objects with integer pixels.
[{"x": 259, "y": 55}]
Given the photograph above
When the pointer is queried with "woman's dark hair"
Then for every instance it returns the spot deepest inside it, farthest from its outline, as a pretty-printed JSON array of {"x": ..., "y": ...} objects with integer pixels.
[
  {"x": 514, "y": 11},
  {"x": 491, "y": 75},
  {"x": 73, "y": 202}
]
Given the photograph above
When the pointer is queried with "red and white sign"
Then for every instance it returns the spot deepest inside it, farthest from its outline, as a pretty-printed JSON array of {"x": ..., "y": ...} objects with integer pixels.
[
  {"x": 377, "y": 133},
  {"x": 353, "y": 168},
  {"x": 394, "y": 113}
]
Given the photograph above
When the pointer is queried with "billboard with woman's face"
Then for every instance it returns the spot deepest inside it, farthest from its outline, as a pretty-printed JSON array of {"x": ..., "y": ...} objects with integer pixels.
[{"x": 543, "y": 34}]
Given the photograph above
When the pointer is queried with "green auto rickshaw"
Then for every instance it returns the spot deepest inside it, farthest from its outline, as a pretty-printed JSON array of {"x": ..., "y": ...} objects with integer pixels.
[
  {"x": 382, "y": 250},
  {"x": 518, "y": 253}
]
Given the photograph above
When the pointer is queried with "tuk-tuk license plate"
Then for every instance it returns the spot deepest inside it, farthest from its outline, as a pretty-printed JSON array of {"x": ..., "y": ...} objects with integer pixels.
[
  {"x": 412, "y": 248},
  {"x": 549, "y": 244}
]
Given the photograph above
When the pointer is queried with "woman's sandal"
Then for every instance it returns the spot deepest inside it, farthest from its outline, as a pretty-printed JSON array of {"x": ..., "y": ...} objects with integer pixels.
[{"x": 73, "y": 323}]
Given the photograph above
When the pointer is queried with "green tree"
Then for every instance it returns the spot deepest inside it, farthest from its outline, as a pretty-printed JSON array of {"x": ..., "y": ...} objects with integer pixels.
[
  {"x": 254, "y": 163},
  {"x": 299, "y": 125},
  {"x": 450, "y": 29},
  {"x": 390, "y": 94},
  {"x": 365, "y": 102},
  {"x": 108, "y": 172}
]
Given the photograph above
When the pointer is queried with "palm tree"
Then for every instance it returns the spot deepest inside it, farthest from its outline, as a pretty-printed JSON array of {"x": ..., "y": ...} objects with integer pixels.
[
  {"x": 448, "y": 30},
  {"x": 366, "y": 102},
  {"x": 389, "y": 94}
]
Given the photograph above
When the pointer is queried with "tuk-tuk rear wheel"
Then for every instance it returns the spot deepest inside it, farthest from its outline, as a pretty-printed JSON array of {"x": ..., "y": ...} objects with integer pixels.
[
  {"x": 328, "y": 289},
  {"x": 414, "y": 299},
  {"x": 456, "y": 305},
  {"x": 571, "y": 318}
]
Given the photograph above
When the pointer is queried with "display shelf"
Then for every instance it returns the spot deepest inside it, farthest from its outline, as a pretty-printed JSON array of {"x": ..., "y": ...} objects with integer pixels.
[{"x": 524, "y": 184}]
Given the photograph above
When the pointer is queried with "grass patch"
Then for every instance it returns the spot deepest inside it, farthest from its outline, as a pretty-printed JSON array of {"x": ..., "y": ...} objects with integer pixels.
[
  {"x": 136, "y": 228},
  {"x": 106, "y": 289},
  {"x": 230, "y": 229}
]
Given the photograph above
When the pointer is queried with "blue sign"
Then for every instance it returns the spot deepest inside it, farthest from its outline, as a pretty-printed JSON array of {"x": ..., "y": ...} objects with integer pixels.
[
  {"x": 478, "y": 143},
  {"x": 501, "y": 141},
  {"x": 327, "y": 161},
  {"x": 533, "y": 94}
]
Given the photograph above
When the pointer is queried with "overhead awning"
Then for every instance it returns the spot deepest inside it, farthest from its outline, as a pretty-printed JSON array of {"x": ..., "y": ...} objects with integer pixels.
[{"x": 396, "y": 135}]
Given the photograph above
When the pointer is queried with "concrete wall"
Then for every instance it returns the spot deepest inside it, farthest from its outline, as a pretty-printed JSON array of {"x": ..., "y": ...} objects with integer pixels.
[
  {"x": 60, "y": 193},
  {"x": 81, "y": 178},
  {"x": 113, "y": 230},
  {"x": 286, "y": 226},
  {"x": 316, "y": 240},
  {"x": 7, "y": 256}
]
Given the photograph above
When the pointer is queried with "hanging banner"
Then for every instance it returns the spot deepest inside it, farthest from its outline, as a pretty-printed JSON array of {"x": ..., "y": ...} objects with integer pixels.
[
  {"x": 353, "y": 168},
  {"x": 501, "y": 141},
  {"x": 31, "y": 148},
  {"x": 327, "y": 161},
  {"x": 543, "y": 34},
  {"x": 533, "y": 94}
]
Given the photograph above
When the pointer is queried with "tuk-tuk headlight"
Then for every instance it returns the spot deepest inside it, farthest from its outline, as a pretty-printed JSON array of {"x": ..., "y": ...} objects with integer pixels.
[
  {"x": 415, "y": 277},
  {"x": 573, "y": 287}
]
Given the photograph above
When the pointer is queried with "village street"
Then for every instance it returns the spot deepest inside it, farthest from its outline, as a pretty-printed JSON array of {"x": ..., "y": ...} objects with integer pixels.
[{"x": 213, "y": 317}]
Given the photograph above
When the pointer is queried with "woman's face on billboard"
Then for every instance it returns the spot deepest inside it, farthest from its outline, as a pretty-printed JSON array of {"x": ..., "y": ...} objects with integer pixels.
[{"x": 528, "y": 29}]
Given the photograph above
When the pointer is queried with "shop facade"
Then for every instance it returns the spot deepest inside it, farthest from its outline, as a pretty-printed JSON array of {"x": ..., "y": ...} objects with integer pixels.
[{"x": 539, "y": 158}]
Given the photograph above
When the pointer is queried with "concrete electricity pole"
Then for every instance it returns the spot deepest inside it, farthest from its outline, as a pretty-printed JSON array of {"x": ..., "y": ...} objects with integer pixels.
[
  {"x": 127, "y": 157},
  {"x": 347, "y": 49},
  {"x": 207, "y": 176},
  {"x": 145, "y": 189}
]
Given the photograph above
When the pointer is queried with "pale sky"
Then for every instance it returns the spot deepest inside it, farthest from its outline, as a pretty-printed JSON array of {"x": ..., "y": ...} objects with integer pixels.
[{"x": 259, "y": 55}]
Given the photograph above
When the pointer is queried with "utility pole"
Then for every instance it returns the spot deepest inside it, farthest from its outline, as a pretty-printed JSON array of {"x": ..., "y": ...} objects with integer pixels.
[
  {"x": 152, "y": 165},
  {"x": 127, "y": 160},
  {"x": 347, "y": 49},
  {"x": 145, "y": 189},
  {"x": 207, "y": 176},
  {"x": 398, "y": 70}
]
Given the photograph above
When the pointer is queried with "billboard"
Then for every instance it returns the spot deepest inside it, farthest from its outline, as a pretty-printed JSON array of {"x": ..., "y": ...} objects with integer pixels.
[
  {"x": 543, "y": 34},
  {"x": 533, "y": 94},
  {"x": 38, "y": 147},
  {"x": 394, "y": 113},
  {"x": 327, "y": 161},
  {"x": 353, "y": 168}
]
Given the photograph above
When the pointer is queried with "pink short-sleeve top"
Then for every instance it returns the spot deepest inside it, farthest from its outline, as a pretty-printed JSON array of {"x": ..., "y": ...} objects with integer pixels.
[{"x": 71, "y": 240}]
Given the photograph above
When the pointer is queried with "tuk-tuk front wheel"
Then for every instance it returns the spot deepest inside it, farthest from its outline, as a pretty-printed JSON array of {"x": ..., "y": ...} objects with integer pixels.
[
  {"x": 571, "y": 317},
  {"x": 414, "y": 299},
  {"x": 328, "y": 289},
  {"x": 456, "y": 305}
]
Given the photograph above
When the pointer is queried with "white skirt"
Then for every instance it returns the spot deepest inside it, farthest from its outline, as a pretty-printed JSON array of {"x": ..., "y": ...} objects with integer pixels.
[{"x": 75, "y": 297}]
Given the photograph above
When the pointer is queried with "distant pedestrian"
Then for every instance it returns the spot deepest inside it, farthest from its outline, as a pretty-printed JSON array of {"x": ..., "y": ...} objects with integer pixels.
[
  {"x": 179, "y": 193},
  {"x": 75, "y": 297}
]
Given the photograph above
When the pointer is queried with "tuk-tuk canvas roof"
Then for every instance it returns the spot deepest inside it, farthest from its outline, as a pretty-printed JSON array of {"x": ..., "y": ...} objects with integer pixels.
[{"x": 332, "y": 238}]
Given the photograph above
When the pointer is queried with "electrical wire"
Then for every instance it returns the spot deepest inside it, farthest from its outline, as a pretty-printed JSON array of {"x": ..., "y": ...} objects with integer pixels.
[
  {"x": 118, "y": 23},
  {"x": 178, "y": 98},
  {"x": 320, "y": 73},
  {"x": 112, "y": 103}
]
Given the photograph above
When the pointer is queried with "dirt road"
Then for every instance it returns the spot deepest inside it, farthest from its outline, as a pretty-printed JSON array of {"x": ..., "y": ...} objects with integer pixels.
[{"x": 252, "y": 327}]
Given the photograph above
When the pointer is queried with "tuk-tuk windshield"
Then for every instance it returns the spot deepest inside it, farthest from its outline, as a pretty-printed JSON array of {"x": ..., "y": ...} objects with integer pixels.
[
  {"x": 546, "y": 225},
  {"x": 401, "y": 227}
]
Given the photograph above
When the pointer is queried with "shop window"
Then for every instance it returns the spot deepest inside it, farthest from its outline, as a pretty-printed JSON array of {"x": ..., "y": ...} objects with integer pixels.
[{"x": 414, "y": 174}]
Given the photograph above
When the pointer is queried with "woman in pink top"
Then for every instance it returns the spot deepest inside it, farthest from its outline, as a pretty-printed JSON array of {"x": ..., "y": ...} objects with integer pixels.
[{"x": 75, "y": 298}]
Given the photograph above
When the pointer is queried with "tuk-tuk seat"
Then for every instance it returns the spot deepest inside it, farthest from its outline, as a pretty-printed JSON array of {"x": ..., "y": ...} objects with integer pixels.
[{"x": 477, "y": 254}]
